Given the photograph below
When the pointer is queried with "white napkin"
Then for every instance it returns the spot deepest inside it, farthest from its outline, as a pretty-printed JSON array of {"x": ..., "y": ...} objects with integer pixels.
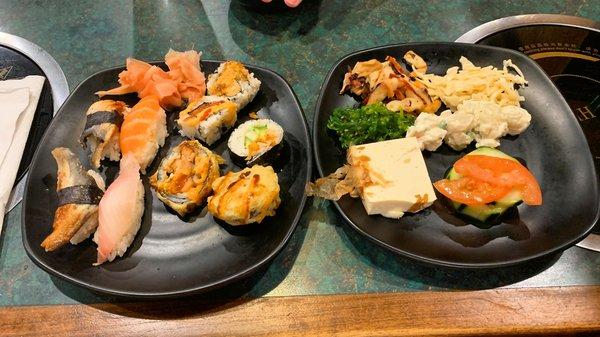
[{"x": 18, "y": 102}]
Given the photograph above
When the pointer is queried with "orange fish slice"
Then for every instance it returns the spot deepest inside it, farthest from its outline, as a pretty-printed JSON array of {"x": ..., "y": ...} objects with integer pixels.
[{"x": 143, "y": 131}]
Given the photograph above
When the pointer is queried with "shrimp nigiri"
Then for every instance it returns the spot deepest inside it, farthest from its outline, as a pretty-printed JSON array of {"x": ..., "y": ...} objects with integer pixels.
[
  {"x": 120, "y": 212},
  {"x": 143, "y": 131}
]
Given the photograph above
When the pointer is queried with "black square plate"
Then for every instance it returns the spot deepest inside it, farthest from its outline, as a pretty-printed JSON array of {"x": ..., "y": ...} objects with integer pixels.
[
  {"x": 169, "y": 256},
  {"x": 553, "y": 147}
]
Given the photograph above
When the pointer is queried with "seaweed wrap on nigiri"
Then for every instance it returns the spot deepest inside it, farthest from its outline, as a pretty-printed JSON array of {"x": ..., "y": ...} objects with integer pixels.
[
  {"x": 185, "y": 176},
  {"x": 233, "y": 81},
  {"x": 245, "y": 197},
  {"x": 101, "y": 131},
  {"x": 207, "y": 119},
  {"x": 120, "y": 212},
  {"x": 256, "y": 141},
  {"x": 79, "y": 193}
]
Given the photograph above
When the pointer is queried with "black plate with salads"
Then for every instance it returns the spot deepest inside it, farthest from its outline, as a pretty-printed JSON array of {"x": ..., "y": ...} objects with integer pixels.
[{"x": 553, "y": 148}]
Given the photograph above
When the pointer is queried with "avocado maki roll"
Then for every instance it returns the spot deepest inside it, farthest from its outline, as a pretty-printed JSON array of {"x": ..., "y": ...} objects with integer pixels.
[{"x": 256, "y": 142}]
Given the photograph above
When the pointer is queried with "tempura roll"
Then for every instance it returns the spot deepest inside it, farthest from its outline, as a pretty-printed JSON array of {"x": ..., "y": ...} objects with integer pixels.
[
  {"x": 245, "y": 197},
  {"x": 184, "y": 177}
]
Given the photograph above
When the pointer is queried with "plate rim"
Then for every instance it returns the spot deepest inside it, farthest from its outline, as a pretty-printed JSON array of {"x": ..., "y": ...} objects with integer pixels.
[
  {"x": 492, "y": 27},
  {"x": 189, "y": 291},
  {"x": 486, "y": 265}
]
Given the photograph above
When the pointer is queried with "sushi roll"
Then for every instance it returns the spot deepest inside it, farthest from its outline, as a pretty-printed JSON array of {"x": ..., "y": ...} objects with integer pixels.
[
  {"x": 79, "y": 193},
  {"x": 184, "y": 177},
  {"x": 207, "y": 119},
  {"x": 245, "y": 197},
  {"x": 255, "y": 142},
  {"x": 120, "y": 212},
  {"x": 101, "y": 131},
  {"x": 144, "y": 131},
  {"x": 233, "y": 81}
]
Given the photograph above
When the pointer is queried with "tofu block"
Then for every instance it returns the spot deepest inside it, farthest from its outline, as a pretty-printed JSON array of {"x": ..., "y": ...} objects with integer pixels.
[{"x": 399, "y": 179}]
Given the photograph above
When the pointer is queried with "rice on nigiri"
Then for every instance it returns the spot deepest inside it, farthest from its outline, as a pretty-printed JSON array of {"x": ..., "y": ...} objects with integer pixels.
[
  {"x": 233, "y": 81},
  {"x": 120, "y": 212},
  {"x": 207, "y": 119},
  {"x": 144, "y": 131}
]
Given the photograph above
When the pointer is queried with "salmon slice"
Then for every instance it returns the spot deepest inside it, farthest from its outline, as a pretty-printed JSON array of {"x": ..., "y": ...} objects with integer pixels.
[{"x": 143, "y": 131}]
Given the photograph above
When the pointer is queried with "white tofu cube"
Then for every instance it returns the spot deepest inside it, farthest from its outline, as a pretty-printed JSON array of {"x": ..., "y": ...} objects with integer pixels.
[{"x": 399, "y": 179}]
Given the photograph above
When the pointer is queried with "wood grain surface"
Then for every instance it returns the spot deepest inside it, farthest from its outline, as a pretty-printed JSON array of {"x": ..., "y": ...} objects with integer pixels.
[{"x": 524, "y": 311}]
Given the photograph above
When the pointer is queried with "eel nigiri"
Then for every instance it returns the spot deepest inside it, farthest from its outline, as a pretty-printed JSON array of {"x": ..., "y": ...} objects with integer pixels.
[
  {"x": 101, "y": 132},
  {"x": 79, "y": 193},
  {"x": 143, "y": 131},
  {"x": 120, "y": 212}
]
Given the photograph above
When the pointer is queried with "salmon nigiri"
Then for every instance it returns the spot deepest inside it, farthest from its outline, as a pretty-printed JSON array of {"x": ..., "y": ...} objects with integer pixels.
[
  {"x": 143, "y": 131},
  {"x": 120, "y": 212}
]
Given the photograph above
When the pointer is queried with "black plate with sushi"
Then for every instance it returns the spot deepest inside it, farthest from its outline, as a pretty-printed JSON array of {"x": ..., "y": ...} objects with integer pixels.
[{"x": 212, "y": 213}]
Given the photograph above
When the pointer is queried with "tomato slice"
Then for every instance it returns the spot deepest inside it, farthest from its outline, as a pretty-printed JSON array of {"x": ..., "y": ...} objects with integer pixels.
[
  {"x": 501, "y": 172},
  {"x": 470, "y": 191}
]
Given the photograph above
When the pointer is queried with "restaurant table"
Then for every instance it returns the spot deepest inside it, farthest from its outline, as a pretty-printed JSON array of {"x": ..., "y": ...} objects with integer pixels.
[{"x": 328, "y": 279}]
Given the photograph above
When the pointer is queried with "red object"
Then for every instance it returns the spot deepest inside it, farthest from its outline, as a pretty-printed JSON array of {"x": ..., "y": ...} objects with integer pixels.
[{"x": 486, "y": 179}]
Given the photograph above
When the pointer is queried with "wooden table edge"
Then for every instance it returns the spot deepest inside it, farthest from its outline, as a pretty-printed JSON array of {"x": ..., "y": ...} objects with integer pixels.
[{"x": 514, "y": 311}]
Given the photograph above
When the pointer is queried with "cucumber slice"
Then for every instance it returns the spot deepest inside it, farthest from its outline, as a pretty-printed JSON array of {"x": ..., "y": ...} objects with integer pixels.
[
  {"x": 254, "y": 133},
  {"x": 492, "y": 211},
  {"x": 490, "y": 151}
]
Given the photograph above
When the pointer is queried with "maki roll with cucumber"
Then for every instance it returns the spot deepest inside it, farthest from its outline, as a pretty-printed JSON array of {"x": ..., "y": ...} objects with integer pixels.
[
  {"x": 486, "y": 183},
  {"x": 256, "y": 142}
]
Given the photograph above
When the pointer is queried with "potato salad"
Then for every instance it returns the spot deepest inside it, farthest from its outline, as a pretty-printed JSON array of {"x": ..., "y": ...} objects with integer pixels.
[{"x": 481, "y": 121}]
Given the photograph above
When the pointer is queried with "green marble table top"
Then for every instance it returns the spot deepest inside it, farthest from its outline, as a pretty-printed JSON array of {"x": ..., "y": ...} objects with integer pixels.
[{"x": 324, "y": 255}]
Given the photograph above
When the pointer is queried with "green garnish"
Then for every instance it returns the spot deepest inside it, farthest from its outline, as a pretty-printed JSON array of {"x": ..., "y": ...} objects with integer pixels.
[
  {"x": 254, "y": 132},
  {"x": 369, "y": 123}
]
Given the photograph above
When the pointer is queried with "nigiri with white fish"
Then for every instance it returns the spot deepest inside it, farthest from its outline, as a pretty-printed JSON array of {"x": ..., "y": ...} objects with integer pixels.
[{"x": 120, "y": 212}]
